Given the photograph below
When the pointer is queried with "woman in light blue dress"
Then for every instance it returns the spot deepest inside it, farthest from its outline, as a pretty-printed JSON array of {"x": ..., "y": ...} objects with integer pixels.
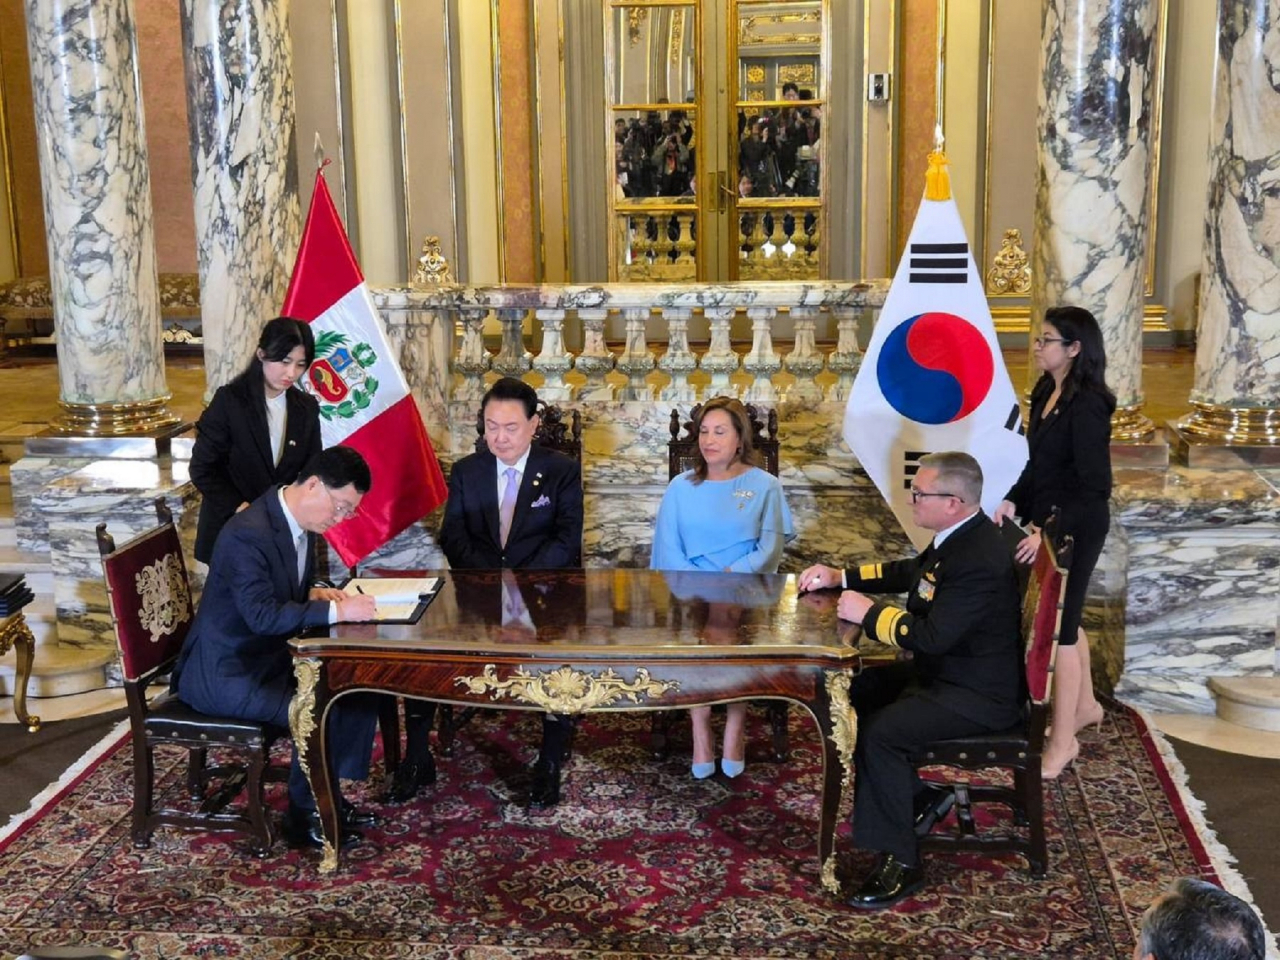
[{"x": 726, "y": 514}]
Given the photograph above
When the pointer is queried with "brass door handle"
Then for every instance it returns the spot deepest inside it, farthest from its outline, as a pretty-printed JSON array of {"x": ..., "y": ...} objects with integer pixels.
[{"x": 723, "y": 193}]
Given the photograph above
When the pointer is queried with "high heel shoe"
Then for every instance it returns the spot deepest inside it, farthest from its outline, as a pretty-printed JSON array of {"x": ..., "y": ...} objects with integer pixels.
[
  {"x": 732, "y": 768},
  {"x": 1094, "y": 719},
  {"x": 701, "y": 771},
  {"x": 1049, "y": 772}
]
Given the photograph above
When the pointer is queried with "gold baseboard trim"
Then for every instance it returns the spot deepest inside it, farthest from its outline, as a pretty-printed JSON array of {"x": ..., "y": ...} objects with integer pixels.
[
  {"x": 1129, "y": 423},
  {"x": 1233, "y": 426},
  {"x": 113, "y": 419},
  {"x": 1155, "y": 318}
]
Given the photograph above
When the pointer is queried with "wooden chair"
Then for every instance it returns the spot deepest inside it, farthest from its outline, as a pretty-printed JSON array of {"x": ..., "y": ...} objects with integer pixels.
[
  {"x": 151, "y": 613},
  {"x": 1019, "y": 749},
  {"x": 554, "y": 433},
  {"x": 681, "y": 456}
]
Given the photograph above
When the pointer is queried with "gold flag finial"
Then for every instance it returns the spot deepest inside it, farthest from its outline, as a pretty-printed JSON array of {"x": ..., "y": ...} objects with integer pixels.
[
  {"x": 937, "y": 182},
  {"x": 319, "y": 151}
]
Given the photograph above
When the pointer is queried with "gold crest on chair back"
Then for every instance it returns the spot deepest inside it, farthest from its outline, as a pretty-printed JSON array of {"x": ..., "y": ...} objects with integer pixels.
[{"x": 151, "y": 614}]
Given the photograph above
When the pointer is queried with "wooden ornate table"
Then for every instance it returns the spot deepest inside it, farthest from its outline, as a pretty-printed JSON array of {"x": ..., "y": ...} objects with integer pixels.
[
  {"x": 15, "y": 633},
  {"x": 569, "y": 642}
]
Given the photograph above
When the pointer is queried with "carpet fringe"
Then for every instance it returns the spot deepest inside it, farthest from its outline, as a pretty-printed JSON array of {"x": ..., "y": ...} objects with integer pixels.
[
  {"x": 1224, "y": 861},
  {"x": 50, "y": 794}
]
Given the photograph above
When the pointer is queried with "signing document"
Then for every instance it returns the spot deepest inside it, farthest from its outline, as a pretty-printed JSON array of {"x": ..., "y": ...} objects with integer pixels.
[{"x": 398, "y": 597}]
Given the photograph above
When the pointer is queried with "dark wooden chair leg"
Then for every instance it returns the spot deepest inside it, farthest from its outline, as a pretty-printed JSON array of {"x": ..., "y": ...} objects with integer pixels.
[
  {"x": 445, "y": 729},
  {"x": 260, "y": 843},
  {"x": 142, "y": 795},
  {"x": 777, "y": 710},
  {"x": 389, "y": 723},
  {"x": 197, "y": 757},
  {"x": 659, "y": 734}
]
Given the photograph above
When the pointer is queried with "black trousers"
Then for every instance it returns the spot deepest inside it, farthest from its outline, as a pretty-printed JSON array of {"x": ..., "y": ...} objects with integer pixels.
[
  {"x": 353, "y": 720},
  {"x": 895, "y": 717},
  {"x": 557, "y": 731}
]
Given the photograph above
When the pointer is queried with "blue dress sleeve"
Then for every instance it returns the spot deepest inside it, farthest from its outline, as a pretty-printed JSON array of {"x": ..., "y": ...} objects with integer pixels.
[
  {"x": 668, "y": 546},
  {"x": 775, "y": 532}
]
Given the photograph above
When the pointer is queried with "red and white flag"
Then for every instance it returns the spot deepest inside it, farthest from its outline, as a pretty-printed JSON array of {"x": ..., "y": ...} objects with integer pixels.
[{"x": 364, "y": 400}]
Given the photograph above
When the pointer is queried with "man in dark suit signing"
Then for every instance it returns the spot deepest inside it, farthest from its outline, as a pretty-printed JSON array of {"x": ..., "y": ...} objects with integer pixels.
[
  {"x": 962, "y": 627},
  {"x": 236, "y": 660},
  {"x": 513, "y": 505}
]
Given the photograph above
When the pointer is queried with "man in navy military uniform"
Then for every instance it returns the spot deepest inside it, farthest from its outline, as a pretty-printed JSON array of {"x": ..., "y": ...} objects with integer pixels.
[{"x": 962, "y": 626}]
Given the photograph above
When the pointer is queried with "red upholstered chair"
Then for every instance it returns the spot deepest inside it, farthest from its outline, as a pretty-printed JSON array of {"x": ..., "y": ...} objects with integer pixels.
[
  {"x": 151, "y": 613},
  {"x": 1019, "y": 749},
  {"x": 681, "y": 453}
]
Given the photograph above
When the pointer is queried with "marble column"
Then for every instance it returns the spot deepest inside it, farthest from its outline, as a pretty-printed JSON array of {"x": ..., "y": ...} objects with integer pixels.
[
  {"x": 240, "y": 107},
  {"x": 1237, "y": 381},
  {"x": 96, "y": 182},
  {"x": 1097, "y": 67}
]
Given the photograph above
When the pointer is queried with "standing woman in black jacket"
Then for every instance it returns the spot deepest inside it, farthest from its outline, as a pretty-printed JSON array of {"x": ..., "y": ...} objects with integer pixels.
[
  {"x": 258, "y": 432},
  {"x": 1069, "y": 435}
]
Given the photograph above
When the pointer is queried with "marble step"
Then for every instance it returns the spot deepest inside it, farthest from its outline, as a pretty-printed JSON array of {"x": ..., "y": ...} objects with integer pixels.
[
  {"x": 1248, "y": 701},
  {"x": 58, "y": 671}
]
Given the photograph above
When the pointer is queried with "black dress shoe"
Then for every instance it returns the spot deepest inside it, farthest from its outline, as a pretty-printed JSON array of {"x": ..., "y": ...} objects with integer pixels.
[
  {"x": 889, "y": 882},
  {"x": 302, "y": 829},
  {"x": 409, "y": 777},
  {"x": 353, "y": 816},
  {"x": 930, "y": 806},
  {"x": 544, "y": 791}
]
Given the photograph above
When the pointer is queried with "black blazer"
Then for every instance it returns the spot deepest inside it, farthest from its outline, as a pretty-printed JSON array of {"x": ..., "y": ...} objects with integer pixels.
[
  {"x": 236, "y": 659},
  {"x": 546, "y": 530},
  {"x": 1070, "y": 459},
  {"x": 962, "y": 621},
  {"x": 232, "y": 461}
]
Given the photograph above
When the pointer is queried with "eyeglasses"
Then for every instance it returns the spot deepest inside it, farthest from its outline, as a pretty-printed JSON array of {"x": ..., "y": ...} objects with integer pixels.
[
  {"x": 1041, "y": 341},
  {"x": 920, "y": 494},
  {"x": 341, "y": 510}
]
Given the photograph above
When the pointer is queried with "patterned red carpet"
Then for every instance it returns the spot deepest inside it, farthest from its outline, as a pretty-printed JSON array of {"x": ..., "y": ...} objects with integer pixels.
[{"x": 638, "y": 860}]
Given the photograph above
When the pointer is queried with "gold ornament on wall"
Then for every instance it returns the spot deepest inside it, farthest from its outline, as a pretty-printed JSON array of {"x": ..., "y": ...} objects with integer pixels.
[
  {"x": 636, "y": 17},
  {"x": 433, "y": 268},
  {"x": 1010, "y": 273}
]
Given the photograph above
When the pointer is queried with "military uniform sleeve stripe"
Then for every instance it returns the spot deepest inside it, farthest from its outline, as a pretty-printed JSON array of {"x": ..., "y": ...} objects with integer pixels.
[
  {"x": 888, "y": 623},
  {"x": 870, "y": 571}
]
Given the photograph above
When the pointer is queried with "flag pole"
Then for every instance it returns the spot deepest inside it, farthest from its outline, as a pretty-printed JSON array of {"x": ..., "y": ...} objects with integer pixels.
[
  {"x": 321, "y": 160},
  {"x": 940, "y": 76}
]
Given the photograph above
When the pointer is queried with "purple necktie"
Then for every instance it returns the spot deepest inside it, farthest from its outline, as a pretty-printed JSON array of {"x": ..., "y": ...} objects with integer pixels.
[{"x": 507, "y": 509}]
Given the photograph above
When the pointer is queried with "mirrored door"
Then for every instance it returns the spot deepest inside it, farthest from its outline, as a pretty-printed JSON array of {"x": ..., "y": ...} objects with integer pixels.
[{"x": 715, "y": 180}]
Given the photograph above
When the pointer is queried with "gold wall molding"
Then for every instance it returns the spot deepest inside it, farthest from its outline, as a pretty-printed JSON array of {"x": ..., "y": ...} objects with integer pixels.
[{"x": 1017, "y": 319}]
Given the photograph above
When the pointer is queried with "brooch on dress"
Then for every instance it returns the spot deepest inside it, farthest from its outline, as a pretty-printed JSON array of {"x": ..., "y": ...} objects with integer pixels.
[{"x": 743, "y": 496}]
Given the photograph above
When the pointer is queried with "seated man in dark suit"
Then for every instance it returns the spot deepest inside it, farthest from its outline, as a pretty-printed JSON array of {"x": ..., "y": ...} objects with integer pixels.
[
  {"x": 962, "y": 626},
  {"x": 236, "y": 660},
  {"x": 514, "y": 505}
]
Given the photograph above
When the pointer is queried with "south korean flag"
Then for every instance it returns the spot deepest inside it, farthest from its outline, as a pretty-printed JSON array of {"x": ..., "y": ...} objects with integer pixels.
[{"x": 933, "y": 378}]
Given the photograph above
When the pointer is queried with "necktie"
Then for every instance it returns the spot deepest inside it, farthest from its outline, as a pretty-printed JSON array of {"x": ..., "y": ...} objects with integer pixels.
[
  {"x": 507, "y": 509},
  {"x": 300, "y": 546}
]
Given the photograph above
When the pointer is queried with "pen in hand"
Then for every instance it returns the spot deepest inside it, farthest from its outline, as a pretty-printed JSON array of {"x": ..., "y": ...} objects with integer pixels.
[{"x": 360, "y": 589}]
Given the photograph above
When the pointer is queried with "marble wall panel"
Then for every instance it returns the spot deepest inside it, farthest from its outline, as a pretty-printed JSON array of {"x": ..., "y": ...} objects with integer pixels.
[
  {"x": 28, "y": 476},
  {"x": 122, "y": 493}
]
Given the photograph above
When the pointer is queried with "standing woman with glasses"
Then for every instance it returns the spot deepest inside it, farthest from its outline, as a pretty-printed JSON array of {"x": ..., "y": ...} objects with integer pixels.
[
  {"x": 258, "y": 431},
  {"x": 1069, "y": 435}
]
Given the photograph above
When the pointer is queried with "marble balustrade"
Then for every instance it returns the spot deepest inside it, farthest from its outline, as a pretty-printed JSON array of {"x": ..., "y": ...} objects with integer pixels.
[{"x": 1187, "y": 588}]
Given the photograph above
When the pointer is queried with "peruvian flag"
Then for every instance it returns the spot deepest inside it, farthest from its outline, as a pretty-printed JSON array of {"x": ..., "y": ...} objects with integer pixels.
[{"x": 364, "y": 400}]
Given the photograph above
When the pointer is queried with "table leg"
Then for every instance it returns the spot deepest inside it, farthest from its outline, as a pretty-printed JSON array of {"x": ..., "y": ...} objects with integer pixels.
[
  {"x": 306, "y": 722},
  {"x": 17, "y": 634},
  {"x": 838, "y": 727}
]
